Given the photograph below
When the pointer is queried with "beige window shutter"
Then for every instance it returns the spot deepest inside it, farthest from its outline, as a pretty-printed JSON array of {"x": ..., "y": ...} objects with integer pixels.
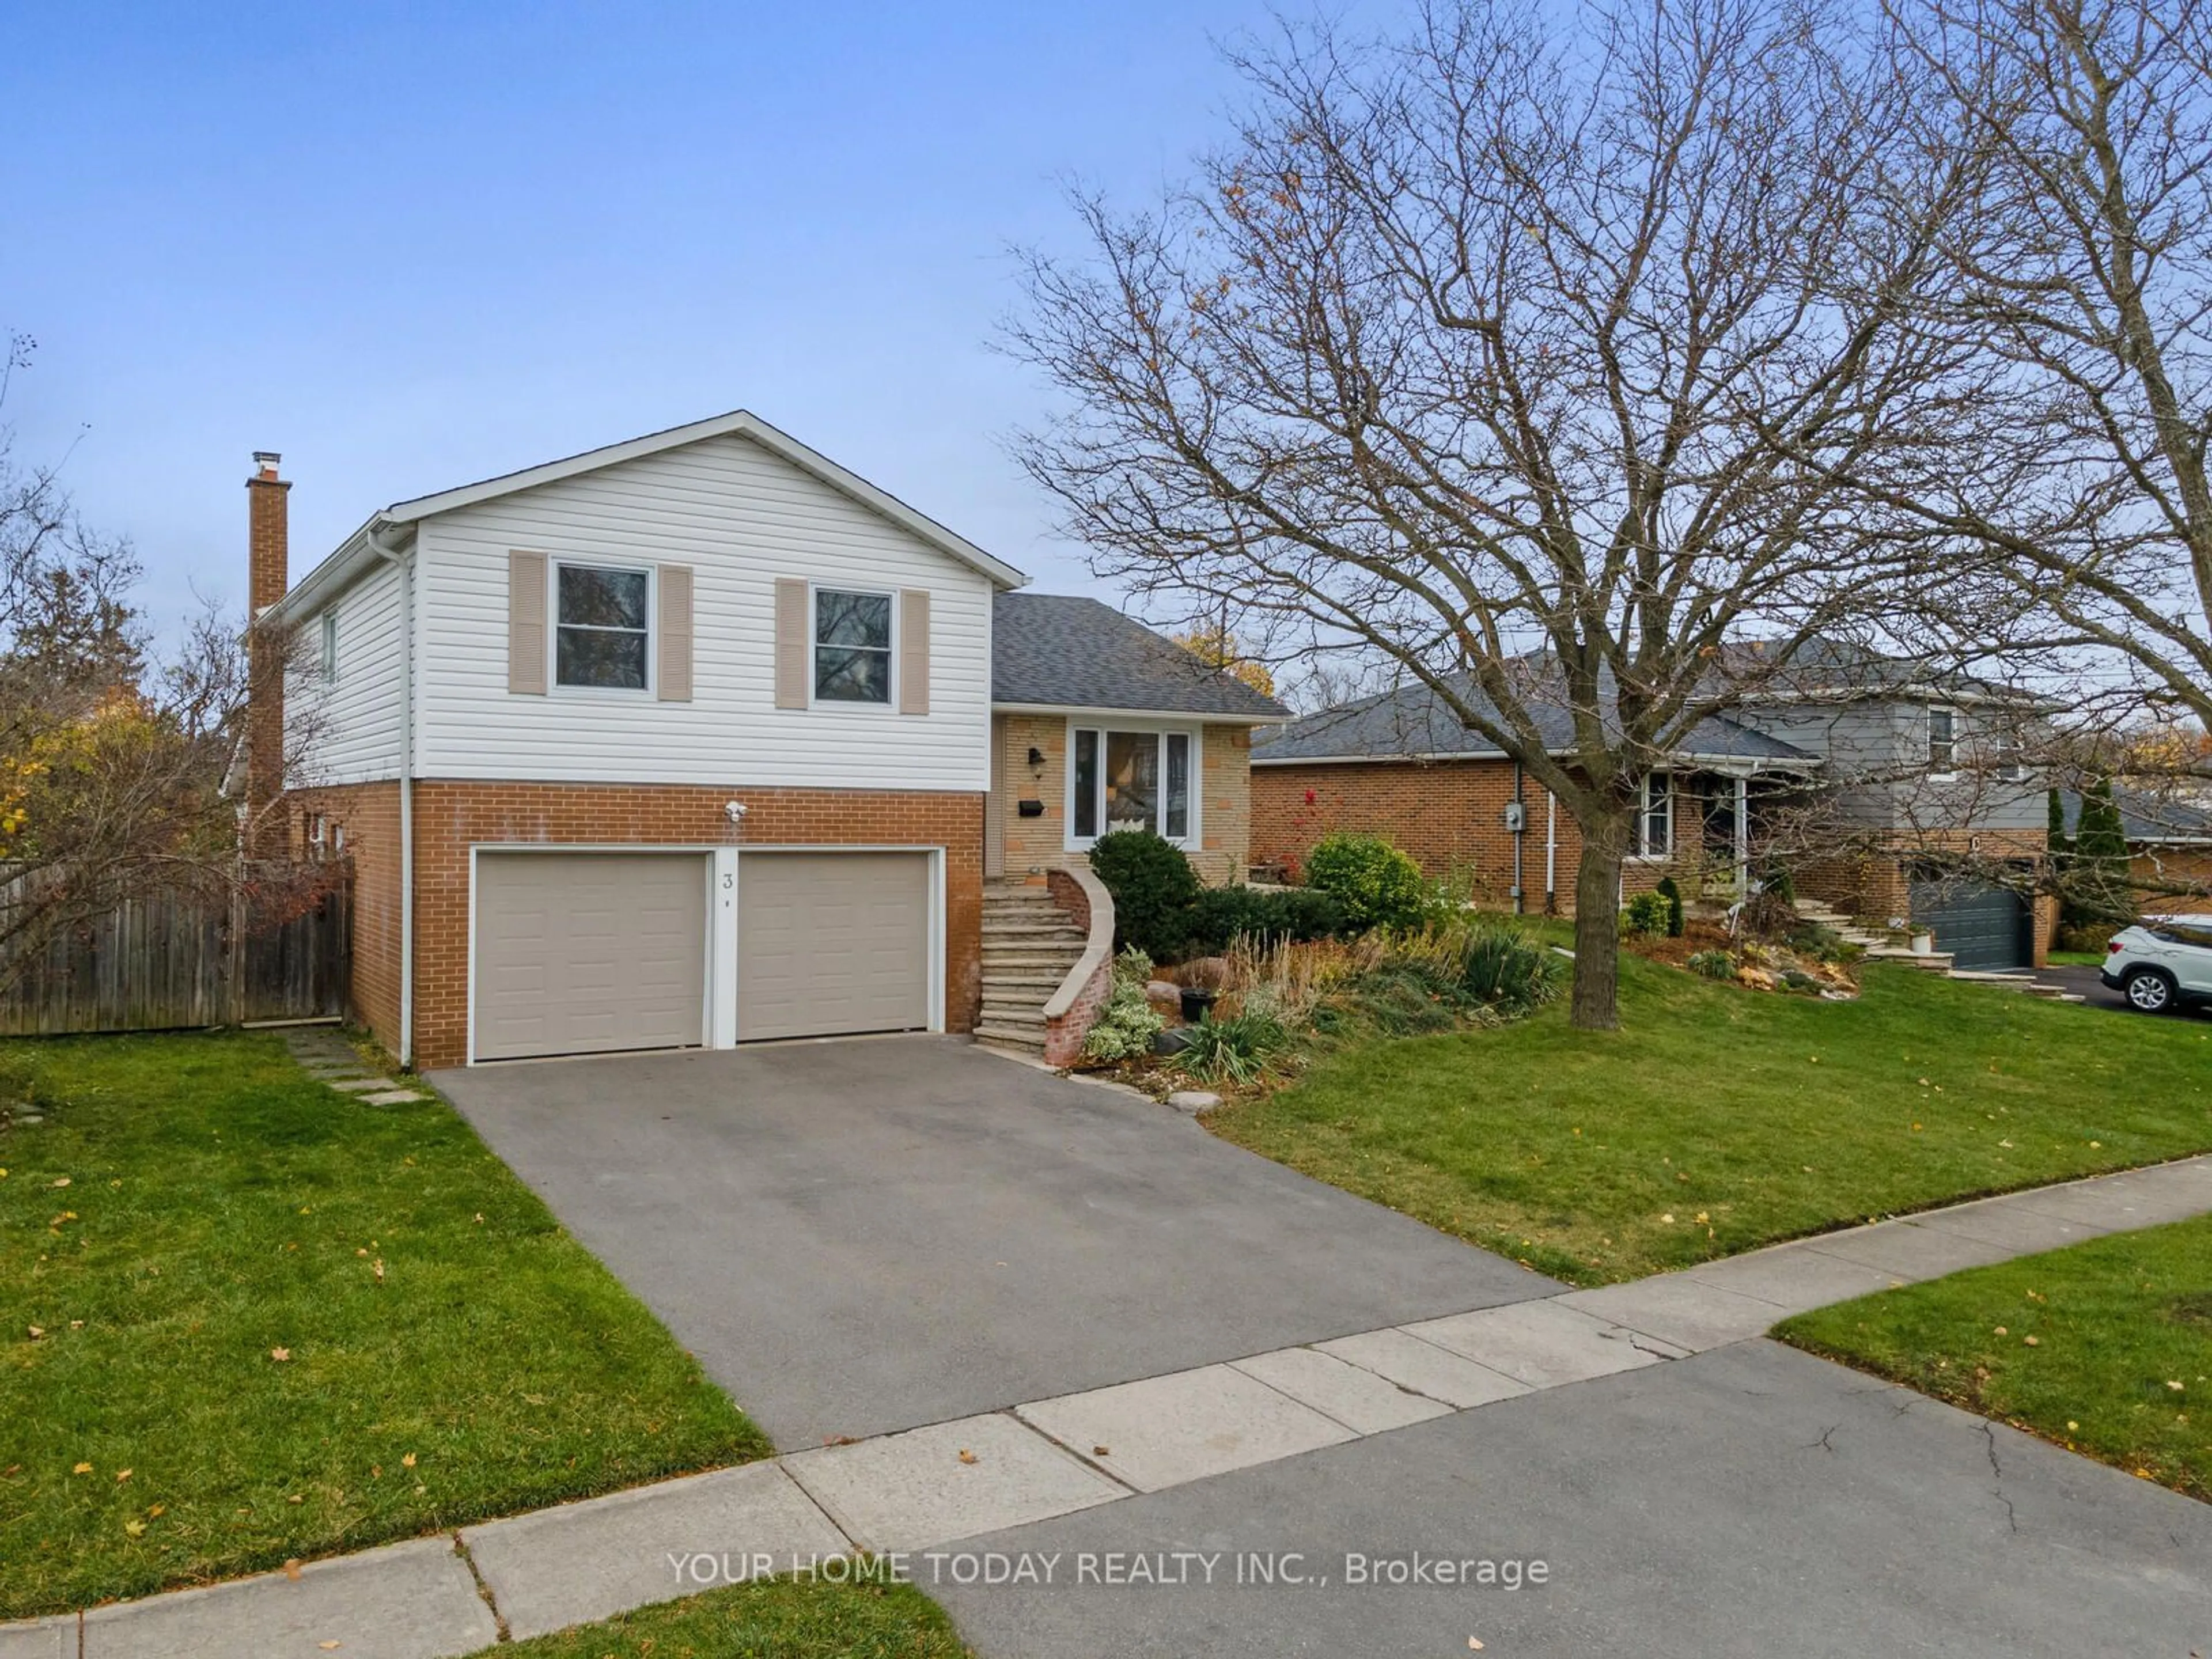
[
  {"x": 676, "y": 632},
  {"x": 795, "y": 651},
  {"x": 525, "y": 624},
  {"x": 914, "y": 651}
]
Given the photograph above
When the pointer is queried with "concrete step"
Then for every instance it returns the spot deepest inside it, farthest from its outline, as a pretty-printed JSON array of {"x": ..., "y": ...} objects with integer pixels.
[
  {"x": 1018, "y": 1039},
  {"x": 1032, "y": 952},
  {"x": 1008, "y": 1014},
  {"x": 1021, "y": 926},
  {"x": 1042, "y": 982},
  {"x": 1938, "y": 961}
]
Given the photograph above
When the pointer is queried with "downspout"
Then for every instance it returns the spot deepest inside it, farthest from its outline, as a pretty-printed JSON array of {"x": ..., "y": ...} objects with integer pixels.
[
  {"x": 1551, "y": 853},
  {"x": 399, "y": 558},
  {"x": 1520, "y": 817}
]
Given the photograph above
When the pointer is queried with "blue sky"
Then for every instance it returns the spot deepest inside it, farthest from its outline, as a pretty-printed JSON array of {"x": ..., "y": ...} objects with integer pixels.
[{"x": 413, "y": 246}]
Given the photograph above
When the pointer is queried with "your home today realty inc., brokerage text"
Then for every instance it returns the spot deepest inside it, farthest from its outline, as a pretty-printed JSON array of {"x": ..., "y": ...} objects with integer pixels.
[{"x": 1203, "y": 1568}]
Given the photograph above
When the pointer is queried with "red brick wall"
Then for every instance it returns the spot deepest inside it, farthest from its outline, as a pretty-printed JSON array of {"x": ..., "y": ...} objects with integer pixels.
[
  {"x": 369, "y": 814},
  {"x": 450, "y": 817}
]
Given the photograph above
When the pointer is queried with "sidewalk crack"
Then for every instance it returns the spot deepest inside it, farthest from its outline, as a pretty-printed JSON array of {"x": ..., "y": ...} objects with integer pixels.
[{"x": 484, "y": 1587}]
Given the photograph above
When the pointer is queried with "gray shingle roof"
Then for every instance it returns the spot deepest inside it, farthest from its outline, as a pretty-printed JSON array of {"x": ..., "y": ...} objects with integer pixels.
[
  {"x": 1412, "y": 720},
  {"x": 1066, "y": 652},
  {"x": 2149, "y": 816}
]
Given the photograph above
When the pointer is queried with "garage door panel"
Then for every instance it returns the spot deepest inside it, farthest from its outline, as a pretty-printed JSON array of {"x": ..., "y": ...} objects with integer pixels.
[
  {"x": 832, "y": 943},
  {"x": 589, "y": 952},
  {"x": 1982, "y": 925}
]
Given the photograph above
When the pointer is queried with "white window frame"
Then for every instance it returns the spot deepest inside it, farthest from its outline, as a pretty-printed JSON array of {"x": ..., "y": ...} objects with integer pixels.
[
  {"x": 1643, "y": 808},
  {"x": 1946, "y": 771},
  {"x": 651, "y": 572},
  {"x": 328, "y": 646},
  {"x": 1194, "y": 836},
  {"x": 814, "y": 591}
]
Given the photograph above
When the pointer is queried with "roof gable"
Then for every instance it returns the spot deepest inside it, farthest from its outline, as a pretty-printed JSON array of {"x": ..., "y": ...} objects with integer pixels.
[
  {"x": 359, "y": 549},
  {"x": 1064, "y": 651}
]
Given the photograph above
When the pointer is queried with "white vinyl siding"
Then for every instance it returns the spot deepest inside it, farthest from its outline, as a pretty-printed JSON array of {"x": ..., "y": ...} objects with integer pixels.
[
  {"x": 741, "y": 519},
  {"x": 347, "y": 728}
]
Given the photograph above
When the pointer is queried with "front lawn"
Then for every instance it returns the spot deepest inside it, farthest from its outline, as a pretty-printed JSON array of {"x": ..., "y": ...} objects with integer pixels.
[
  {"x": 776, "y": 1618},
  {"x": 1717, "y": 1119},
  {"x": 244, "y": 1319},
  {"x": 2105, "y": 1347}
]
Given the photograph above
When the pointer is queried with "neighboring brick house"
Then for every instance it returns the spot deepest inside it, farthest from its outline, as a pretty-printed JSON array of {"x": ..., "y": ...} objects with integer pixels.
[
  {"x": 1401, "y": 766},
  {"x": 1906, "y": 769},
  {"x": 686, "y": 741},
  {"x": 2169, "y": 849}
]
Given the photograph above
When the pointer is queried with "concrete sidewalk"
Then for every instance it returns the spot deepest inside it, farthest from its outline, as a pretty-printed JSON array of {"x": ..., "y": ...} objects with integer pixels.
[{"x": 1000, "y": 1472}]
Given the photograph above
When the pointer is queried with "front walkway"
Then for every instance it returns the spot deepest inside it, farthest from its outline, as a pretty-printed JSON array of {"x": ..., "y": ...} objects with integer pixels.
[{"x": 2012, "y": 1546}]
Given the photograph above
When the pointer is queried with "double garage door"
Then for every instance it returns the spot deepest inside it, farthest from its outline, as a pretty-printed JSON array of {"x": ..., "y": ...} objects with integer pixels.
[
  {"x": 1983, "y": 925},
  {"x": 596, "y": 952}
]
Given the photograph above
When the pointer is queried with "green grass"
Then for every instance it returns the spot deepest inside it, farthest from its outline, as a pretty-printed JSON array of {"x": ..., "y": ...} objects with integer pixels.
[
  {"x": 2083, "y": 1346},
  {"x": 2076, "y": 959},
  {"x": 778, "y": 1619},
  {"x": 1716, "y": 1119},
  {"x": 220, "y": 1206}
]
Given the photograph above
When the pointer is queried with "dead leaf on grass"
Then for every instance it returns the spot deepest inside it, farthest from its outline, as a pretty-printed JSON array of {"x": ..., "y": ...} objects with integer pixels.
[{"x": 280, "y": 1355}]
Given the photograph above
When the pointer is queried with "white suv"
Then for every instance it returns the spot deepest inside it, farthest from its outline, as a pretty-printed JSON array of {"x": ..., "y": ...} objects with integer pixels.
[{"x": 2162, "y": 963}]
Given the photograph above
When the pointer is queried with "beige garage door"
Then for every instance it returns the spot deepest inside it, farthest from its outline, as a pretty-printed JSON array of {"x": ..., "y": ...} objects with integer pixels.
[
  {"x": 583, "y": 952},
  {"x": 830, "y": 943}
]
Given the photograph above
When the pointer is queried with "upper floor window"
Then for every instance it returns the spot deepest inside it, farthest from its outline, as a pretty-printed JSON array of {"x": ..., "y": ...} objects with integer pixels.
[
  {"x": 1655, "y": 818},
  {"x": 1942, "y": 741},
  {"x": 852, "y": 646},
  {"x": 327, "y": 654},
  {"x": 601, "y": 633}
]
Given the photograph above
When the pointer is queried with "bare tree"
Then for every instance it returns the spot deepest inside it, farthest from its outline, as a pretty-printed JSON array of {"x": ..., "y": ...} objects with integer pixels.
[
  {"x": 1533, "y": 366},
  {"x": 112, "y": 762},
  {"x": 2083, "y": 257}
]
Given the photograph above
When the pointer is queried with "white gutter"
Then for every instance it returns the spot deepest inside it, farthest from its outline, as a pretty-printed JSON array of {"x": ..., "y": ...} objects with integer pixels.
[
  {"x": 400, "y": 560},
  {"x": 1177, "y": 716}
]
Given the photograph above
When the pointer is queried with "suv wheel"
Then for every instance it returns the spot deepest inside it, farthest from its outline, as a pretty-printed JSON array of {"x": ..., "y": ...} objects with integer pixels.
[{"x": 2150, "y": 991}]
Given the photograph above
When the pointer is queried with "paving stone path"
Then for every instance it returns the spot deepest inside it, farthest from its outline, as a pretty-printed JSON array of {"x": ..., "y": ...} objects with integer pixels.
[
  {"x": 326, "y": 1054},
  {"x": 937, "y": 1484}
]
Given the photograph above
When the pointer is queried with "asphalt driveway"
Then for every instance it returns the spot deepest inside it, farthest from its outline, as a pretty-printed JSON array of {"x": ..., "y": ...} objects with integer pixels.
[
  {"x": 863, "y": 1235},
  {"x": 2083, "y": 981}
]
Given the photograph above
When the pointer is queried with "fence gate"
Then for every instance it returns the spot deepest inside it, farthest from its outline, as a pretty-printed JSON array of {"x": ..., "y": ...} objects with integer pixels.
[{"x": 166, "y": 961}]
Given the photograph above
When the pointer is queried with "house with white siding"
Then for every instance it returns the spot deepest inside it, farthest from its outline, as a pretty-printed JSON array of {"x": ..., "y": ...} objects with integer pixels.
[{"x": 685, "y": 741}]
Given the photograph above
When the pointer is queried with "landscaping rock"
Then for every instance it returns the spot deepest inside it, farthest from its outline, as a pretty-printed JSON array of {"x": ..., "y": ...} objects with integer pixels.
[
  {"x": 1172, "y": 1040},
  {"x": 1163, "y": 993},
  {"x": 1194, "y": 1101}
]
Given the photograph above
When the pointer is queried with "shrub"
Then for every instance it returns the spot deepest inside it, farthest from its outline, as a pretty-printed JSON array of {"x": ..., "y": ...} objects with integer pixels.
[
  {"x": 1374, "y": 883},
  {"x": 1645, "y": 913},
  {"x": 1667, "y": 890},
  {"x": 1505, "y": 968},
  {"x": 1713, "y": 964},
  {"x": 1221, "y": 916},
  {"x": 1447, "y": 900},
  {"x": 2094, "y": 937},
  {"x": 1126, "y": 1025},
  {"x": 1774, "y": 878},
  {"x": 1153, "y": 886},
  {"x": 1235, "y": 1049}
]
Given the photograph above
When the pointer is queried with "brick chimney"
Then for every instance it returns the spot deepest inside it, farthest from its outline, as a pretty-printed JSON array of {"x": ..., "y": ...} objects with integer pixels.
[{"x": 268, "y": 575}]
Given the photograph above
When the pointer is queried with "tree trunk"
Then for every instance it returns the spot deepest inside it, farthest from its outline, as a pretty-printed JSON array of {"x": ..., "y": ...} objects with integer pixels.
[{"x": 1596, "y": 1002}]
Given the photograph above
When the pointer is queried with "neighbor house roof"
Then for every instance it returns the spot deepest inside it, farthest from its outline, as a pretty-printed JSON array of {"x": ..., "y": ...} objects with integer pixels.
[
  {"x": 1061, "y": 651},
  {"x": 1824, "y": 670},
  {"x": 1413, "y": 723},
  {"x": 361, "y": 549},
  {"x": 2150, "y": 818}
]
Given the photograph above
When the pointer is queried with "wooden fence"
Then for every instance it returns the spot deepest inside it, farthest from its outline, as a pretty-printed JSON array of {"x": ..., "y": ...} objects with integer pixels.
[{"x": 182, "y": 959}]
